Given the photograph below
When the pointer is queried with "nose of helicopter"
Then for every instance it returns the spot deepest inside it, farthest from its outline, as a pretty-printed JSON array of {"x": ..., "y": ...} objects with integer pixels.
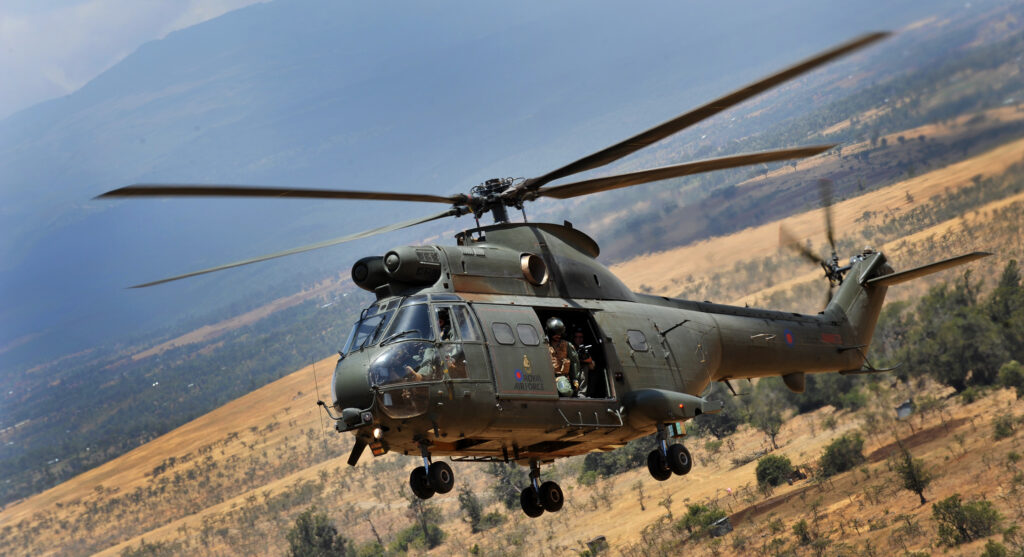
[{"x": 350, "y": 386}]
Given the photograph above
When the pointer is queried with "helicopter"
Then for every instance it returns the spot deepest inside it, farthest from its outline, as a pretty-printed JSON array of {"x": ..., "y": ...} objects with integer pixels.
[{"x": 458, "y": 355}]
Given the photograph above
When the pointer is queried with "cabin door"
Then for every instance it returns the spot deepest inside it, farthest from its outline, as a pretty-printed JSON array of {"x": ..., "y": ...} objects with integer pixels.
[{"x": 520, "y": 358}]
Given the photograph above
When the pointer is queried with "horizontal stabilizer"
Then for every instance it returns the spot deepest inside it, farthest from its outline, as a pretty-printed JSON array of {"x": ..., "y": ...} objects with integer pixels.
[{"x": 918, "y": 272}]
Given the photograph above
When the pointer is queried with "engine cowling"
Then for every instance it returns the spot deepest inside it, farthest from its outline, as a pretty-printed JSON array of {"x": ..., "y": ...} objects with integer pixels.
[{"x": 413, "y": 265}]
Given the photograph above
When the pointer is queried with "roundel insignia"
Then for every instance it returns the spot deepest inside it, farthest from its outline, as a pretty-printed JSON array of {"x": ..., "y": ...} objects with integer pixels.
[
  {"x": 519, "y": 375},
  {"x": 788, "y": 335}
]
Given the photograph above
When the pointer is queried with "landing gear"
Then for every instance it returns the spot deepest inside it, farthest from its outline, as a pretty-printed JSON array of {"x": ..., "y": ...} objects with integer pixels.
[
  {"x": 539, "y": 497},
  {"x": 666, "y": 460},
  {"x": 432, "y": 477}
]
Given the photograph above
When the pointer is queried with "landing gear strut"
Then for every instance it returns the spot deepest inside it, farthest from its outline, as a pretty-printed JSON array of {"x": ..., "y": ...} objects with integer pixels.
[
  {"x": 667, "y": 459},
  {"x": 432, "y": 477},
  {"x": 539, "y": 497}
]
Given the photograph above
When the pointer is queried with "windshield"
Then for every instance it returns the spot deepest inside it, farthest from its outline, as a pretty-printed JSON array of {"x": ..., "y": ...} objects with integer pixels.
[
  {"x": 367, "y": 331},
  {"x": 411, "y": 323}
]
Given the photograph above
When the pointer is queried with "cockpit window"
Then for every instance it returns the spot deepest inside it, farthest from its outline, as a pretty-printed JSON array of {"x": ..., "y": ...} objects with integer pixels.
[
  {"x": 367, "y": 331},
  {"x": 410, "y": 323}
]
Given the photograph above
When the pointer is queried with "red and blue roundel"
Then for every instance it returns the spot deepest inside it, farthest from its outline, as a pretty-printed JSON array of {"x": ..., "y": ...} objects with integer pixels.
[
  {"x": 788, "y": 335},
  {"x": 519, "y": 375}
]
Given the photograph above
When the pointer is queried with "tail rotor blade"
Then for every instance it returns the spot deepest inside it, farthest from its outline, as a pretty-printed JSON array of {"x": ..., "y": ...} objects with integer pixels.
[{"x": 788, "y": 240}]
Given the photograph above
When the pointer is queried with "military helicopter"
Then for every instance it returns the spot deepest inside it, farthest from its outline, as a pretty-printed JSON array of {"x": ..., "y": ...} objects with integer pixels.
[{"x": 452, "y": 358}]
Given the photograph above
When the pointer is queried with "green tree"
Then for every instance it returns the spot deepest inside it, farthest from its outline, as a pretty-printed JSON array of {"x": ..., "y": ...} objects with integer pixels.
[
  {"x": 313, "y": 535},
  {"x": 511, "y": 478},
  {"x": 478, "y": 521},
  {"x": 1011, "y": 376},
  {"x": 773, "y": 470},
  {"x": 1006, "y": 308},
  {"x": 956, "y": 340},
  {"x": 425, "y": 533},
  {"x": 963, "y": 522},
  {"x": 842, "y": 454},
  {"x": 912, "y": 473}
]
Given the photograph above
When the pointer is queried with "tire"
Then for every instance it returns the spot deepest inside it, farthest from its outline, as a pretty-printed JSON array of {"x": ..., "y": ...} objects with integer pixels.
[
  {"x": 442, "y": 479},
  {"x": 419, "y": 484},
  {"x": 679, "y": 460},
  {"x": 530, "y": 503},
  {"x": 657, "y": 466},
  {"x": 551, "y": 497}
]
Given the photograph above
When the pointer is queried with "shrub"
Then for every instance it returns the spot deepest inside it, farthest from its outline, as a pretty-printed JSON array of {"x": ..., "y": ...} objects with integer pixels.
[
  {"x": 995, "y": 549},
  {"x": 633, "y": 455},
  {"x": 773, "y": 470},
  {"x": 803, "y": 533},
  {"x": 972, "y": 394},
  {"x": 842, "y": 454},
  {"x": 963, "y": 522},
  {"x": 313, "y": 534},
  {"x": 1002, "y": 427},
  {"x": 1011, "y": 376},
  {"x": 699, "y": 518}
]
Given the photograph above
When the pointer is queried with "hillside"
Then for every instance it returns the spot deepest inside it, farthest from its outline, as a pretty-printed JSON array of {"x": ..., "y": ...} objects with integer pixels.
[
  {"x": 233, "y": 480},
  {"x": 939, "y": 91}
]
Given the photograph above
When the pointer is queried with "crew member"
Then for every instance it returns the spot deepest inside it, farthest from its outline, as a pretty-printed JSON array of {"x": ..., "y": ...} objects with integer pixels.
[
  {"x": 564, "y": 359},
  {"x": 587, "y": 364}
]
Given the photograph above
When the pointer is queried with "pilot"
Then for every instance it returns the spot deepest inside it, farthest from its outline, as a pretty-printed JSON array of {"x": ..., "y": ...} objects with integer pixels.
[
  {"x": 444, "y": 325},
  {"x": 563, "y": 358},
  {"x": 587, "y": 364}
]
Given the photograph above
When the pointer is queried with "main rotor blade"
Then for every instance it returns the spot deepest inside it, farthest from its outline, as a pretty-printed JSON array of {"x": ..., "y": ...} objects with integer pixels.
[
  {"x": 584, "y": 187},
  {"x": 391, "y": 227},
  {"x": 661, "y": 131},
  {"x": 225, "y": 190},
  {"x": 825, "y": 189}
]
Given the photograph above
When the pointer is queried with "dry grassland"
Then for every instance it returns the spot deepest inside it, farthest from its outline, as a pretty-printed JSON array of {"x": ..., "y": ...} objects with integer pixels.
[{"x": 209, "y": 332}]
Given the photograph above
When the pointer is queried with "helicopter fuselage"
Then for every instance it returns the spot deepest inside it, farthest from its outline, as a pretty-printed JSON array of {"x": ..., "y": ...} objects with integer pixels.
[{"x": 461, "y": 362}]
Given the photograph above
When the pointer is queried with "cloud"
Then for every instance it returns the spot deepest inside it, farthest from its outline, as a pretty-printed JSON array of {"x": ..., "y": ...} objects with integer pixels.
[{"x": 52, "y": 49}]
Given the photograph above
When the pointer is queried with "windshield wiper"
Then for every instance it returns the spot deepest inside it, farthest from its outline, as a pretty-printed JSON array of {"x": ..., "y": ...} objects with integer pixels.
[{"x": 397, "y": 335}]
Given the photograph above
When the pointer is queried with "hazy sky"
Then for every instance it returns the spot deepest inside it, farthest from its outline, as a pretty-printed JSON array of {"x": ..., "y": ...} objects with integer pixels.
[{"x": 49, "y": 48}]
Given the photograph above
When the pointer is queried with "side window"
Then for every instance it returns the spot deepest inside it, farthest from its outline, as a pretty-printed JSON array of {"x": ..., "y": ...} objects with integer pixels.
[
  {"x": 464, "y": 324},
  {"x": 503, "y": 333},
  {"x": 527, "y": 334},
  {"x": 637, "y": 341}
]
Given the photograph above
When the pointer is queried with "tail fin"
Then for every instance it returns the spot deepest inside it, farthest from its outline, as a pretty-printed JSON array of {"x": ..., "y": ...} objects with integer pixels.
[{"x": 859, "y": 299}]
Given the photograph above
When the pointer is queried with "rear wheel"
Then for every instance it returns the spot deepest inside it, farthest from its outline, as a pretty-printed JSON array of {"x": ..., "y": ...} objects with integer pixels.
[
  {"x": 419, "y": 484},
  {"x": 530, "y": 502},
  {"x": 657, "y": 466},
  {"x": 679, "y": 460}
]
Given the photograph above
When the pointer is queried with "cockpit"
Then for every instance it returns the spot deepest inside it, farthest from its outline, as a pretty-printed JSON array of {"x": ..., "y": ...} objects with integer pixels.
[{"x": 416, "y": 341}]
